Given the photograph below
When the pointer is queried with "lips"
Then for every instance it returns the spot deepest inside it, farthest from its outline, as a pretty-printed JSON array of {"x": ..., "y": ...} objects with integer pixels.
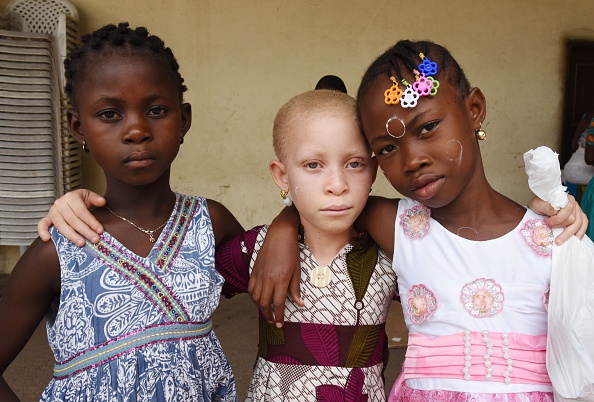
[
  {"x": 337, "y": 209},
  {"x": 426, "y": 187},
  {"x": 139, "y": 159}
]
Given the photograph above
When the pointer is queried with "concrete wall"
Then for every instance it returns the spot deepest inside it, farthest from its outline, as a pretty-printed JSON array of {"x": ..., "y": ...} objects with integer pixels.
[{"x": 243, "y": 59}]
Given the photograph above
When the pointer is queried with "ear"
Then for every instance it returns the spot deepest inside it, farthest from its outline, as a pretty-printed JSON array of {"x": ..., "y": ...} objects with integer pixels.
[
  {"x": 74, "y": 125},
  {"x": 186, "y": 118},
  {"x": 477, "y": 106},
  {"x": 279, "y": 174}
]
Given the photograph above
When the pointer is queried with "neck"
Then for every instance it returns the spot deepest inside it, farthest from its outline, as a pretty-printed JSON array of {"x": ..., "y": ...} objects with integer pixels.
[
  {"x": 480, "y": 215},
  {"x": 324, "y": 246},
  {"x": 139, "y": 202}
]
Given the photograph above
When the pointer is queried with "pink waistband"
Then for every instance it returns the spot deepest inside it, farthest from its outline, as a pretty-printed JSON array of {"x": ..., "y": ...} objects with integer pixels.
[{"x": 478, "y": 356}]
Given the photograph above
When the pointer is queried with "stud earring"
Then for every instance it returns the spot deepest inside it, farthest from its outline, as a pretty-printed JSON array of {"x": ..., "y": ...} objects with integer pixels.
[
  {"x": 286, "y": 199},
  {"x": 84, "y": 146},
  {"x": 480, "y": 134}
]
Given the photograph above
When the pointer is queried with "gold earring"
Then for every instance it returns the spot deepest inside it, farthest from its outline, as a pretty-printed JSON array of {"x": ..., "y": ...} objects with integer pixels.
[
  {"x": 84, "y": 146},
  {"x": 480, "y": 134},
  {"x": 286, "y": 199}
]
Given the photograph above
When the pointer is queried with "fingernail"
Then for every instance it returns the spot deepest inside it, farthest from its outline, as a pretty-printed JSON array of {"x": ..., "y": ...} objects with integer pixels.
[{"x": 279, "y": 325}]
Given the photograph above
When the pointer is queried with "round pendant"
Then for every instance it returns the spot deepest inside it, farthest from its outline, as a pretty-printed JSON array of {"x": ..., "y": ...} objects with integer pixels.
[{"x": 320, "y": 277}]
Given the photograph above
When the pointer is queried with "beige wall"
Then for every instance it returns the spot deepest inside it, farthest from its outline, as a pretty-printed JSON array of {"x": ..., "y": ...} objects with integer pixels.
[{"x": 243, "y": 59}]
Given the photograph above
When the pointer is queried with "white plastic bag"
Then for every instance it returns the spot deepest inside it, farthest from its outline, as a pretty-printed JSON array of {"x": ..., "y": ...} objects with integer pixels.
[{"x": 570, "y": 341}]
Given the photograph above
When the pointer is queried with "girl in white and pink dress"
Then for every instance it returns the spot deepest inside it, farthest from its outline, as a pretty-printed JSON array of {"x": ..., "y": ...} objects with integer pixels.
[{"x": 473, "y": 266}]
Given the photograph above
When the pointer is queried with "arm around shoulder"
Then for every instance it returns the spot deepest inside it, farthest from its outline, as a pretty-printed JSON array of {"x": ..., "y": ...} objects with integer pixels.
[{"x": 378, "y": 219}]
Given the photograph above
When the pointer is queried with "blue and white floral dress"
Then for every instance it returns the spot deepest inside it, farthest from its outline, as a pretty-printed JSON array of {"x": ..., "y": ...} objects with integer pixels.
[{"x": 129, "y": 328}]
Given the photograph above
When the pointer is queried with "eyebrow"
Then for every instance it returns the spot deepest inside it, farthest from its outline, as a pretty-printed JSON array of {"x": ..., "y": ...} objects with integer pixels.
[{"x": 108, "y": 98}]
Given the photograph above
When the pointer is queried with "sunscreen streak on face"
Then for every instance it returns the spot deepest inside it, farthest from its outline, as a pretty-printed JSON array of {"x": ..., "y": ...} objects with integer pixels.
[{"x": 454, "y": 150}]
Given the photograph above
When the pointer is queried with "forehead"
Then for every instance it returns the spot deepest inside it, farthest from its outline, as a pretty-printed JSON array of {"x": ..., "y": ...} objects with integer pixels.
[
  {"x": 374, "y": 111},
  {"x": 331, "y": 131},
  {"x": 119, "y": 69}
]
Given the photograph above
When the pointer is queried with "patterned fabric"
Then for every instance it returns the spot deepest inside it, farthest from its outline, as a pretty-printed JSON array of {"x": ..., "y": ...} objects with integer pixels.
[
  {"x": 417, "y": 395},
  {"x": 487, "y": 291},
  {"x": 130, "y": 328},
  {"x": 334, "y": 348}
]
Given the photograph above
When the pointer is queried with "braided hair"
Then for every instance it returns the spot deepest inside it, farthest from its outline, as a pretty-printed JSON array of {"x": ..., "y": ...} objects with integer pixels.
[
  {"x": 402, "y": 58},
  {"x": 111, "y": 38}
]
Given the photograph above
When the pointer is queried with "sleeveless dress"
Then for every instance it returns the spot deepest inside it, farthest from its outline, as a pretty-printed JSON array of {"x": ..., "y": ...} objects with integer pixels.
[
  {"x": 129, "y": 328},
  {"x": 475, "y": 310},
  {"x": 335, "y": 347}
]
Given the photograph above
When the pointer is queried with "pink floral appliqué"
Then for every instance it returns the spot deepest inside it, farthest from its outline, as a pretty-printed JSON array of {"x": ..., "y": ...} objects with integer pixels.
[
  {"x": 420, "y": 304},
  {"x": 539, "y": 237},
  {"x": 482, "y": 297},
  {"x": 415, "y": 221}
]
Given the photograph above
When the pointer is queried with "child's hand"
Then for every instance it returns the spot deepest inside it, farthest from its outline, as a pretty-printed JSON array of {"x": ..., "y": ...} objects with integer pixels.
[
  {"x": 276, "y": 269},
  {"x": 571, "y": 217},
  {"x": 70, "y": 215}
]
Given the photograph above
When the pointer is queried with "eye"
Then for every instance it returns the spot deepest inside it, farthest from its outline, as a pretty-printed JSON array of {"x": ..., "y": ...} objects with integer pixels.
[
  {"x": 355, "y": 164},
  {"x": 387, "y": 150},
  {"x": 108, "y": 114},
  {"x": 313, "y": 165},
  {"x": 157, "y": 111},
  {"x": 429, "y": 127}
]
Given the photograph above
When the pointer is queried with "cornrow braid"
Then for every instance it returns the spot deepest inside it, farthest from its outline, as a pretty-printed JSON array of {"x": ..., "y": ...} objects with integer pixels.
[
  {"x": 402, "y": 58},
  {"x": 113, "y": 38}
]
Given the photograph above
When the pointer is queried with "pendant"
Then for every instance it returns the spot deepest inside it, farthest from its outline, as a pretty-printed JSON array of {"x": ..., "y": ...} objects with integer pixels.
[{"x": 320, "y": 277}]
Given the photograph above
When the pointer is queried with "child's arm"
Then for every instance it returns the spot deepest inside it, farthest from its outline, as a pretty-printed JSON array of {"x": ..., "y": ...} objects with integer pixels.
[
  {"x": 224, "y": 225},
  {"x": 571, "y": 217},
  {"x": 33, "y": 284},
  {"x": 70, "y": 215},
  {"x": 232, "y": 261},
  {"x": 277, "y": 267},
  {"x": 378, "y": 219}
]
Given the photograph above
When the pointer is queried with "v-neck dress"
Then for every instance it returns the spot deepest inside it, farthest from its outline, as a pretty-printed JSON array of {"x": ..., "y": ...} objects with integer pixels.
[{"x": 129, "y": 328}]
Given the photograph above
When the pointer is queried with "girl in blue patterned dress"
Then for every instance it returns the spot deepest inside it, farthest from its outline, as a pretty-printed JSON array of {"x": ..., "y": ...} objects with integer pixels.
[{"x": 128, "y": 318}]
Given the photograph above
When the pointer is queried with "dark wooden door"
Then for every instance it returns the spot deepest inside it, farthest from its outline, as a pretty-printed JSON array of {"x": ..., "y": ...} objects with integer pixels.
[{"x": 579, "y": 91}]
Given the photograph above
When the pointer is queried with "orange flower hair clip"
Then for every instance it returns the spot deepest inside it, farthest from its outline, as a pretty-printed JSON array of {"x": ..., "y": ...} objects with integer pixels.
[{"x": 393, "y": 94}]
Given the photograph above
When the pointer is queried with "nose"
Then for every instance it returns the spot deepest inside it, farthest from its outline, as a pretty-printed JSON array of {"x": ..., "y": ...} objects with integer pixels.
[
  {"x": 137, "y": 130},
  {"x": 413, "y": 158},
  {"x": 337, "y": 183}
]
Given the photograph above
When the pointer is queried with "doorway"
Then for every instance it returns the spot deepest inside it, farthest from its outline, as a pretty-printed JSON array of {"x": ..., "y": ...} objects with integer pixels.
[{"x": 579, "y": 91}]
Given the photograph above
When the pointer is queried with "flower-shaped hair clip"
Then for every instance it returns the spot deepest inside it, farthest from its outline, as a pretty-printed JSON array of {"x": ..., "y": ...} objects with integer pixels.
[
  {"x": 422, "y": 85},
  {"x": 393, "y": 94},
  {"x": 410, "y": 96},
  {"x": 427, "y": 67},
  {"x": 425, "y": 85}
]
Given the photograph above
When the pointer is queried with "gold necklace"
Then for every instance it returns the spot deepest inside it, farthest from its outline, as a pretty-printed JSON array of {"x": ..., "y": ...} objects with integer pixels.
[{"x": 150, "y": 233}]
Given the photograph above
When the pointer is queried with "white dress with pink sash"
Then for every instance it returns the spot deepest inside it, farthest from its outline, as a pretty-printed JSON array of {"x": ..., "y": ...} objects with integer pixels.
[{"x": 475, "y": 310}]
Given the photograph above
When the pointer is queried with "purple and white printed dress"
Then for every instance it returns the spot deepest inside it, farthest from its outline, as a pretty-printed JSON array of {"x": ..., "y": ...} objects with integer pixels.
[
  {"x": 334, "y": 348},
  {"x": 129, "y": 328}
]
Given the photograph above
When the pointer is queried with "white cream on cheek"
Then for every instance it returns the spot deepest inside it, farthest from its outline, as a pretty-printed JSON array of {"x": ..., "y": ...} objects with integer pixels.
[{"x": 453, "y": 150}]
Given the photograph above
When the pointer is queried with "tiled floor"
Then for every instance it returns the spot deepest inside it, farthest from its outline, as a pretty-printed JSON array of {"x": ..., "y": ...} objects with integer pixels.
[{"x": 32, "y": 369}]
